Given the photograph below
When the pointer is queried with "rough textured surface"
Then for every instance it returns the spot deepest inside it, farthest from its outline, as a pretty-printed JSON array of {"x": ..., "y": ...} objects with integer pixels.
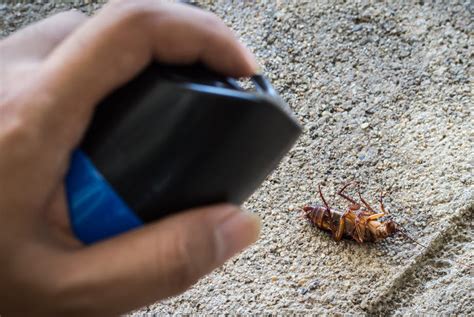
[{"x": 385, "y": 94}]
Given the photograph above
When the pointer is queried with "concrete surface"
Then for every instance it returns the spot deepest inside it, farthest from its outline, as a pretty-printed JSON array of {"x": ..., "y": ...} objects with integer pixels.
[{"x": 385, "y": 94}]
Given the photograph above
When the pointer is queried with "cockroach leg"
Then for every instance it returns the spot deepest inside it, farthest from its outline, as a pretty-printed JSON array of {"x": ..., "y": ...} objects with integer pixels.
[
  {"x": 381, "y": 203},
  {"x": 328, "y": 209},
  {"x": 322, "y": 198},
  {"x": 341, "y": 227},
  {"x": 375, "y": 216},
  {"x": 366, "y": 204},
  {"x": 355, "y": 205},
  {"x": 360, "y": 225}
]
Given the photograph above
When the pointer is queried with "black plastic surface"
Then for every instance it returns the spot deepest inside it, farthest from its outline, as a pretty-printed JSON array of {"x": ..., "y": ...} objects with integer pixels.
[{"x": 181, "y": 137}]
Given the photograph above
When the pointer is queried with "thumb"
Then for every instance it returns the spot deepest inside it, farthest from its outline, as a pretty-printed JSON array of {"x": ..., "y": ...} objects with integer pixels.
[{"x": 159, "y": 260}]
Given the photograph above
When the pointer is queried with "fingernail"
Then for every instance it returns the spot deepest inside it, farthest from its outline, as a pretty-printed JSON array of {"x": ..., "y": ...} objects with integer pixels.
[{"x": 235, "y": 233}]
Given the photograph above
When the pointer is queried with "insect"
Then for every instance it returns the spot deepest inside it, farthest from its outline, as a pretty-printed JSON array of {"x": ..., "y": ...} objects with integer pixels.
[{"x": 359, "y": 222}]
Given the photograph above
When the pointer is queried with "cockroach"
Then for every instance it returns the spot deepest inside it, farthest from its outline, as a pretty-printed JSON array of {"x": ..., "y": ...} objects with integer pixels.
[{"x": 359, "y": 222}]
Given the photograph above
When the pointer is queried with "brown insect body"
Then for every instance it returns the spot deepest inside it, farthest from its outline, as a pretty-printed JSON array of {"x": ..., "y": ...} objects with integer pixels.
[{"x": 359, "y": 223}]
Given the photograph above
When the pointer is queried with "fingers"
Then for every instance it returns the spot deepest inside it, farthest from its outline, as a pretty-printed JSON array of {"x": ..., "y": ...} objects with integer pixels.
[
  {"x": 159, "y": 260},
  {"x": 112, "y": 47},
  {"x": 37, "y": 40}
]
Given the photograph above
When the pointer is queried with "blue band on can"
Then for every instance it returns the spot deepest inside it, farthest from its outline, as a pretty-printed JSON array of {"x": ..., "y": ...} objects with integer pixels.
[{"x": 96, "y": 210}]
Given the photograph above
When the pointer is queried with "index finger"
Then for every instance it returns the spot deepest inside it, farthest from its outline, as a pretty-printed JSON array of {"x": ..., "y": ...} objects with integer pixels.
[{"x": 115, "y": 45}]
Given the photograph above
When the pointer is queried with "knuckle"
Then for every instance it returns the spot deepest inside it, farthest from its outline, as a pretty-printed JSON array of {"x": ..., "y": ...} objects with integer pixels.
[
  {"x": 45, "y": 283},
  {"x": 17, "y": 138},
  {"x": 70, "y": 290},
  {"x": 193, "y": 254},
  {"x": 184, "y": 270},
  {"x": 131, "y": 12},
  {"x": 16, "y": 128},
  {"x": 11, "y": 123},
  {"x": 213, "y": 21}
]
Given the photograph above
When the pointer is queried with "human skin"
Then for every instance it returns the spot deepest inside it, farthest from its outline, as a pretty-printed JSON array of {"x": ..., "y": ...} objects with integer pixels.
[{"x": 52, "y": 75}]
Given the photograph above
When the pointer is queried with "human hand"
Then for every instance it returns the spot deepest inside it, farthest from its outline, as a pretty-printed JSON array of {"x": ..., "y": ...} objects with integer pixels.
[{"x": 52, "y": 74}]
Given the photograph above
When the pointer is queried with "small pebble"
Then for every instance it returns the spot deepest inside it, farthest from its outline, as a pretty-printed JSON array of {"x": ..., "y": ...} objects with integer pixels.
[{"x": 302, "y": 282}]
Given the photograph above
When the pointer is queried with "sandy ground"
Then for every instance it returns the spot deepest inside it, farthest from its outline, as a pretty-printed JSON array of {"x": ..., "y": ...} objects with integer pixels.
[{"x": 385, "y": 94}]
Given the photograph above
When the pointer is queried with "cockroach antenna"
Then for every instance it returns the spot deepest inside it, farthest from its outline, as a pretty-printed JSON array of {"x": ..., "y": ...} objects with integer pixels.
[{"x": 404, "y": 233}]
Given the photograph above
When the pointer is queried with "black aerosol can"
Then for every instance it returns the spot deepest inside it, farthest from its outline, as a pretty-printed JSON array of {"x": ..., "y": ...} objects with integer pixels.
[{"x": 173, "y": 138}]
